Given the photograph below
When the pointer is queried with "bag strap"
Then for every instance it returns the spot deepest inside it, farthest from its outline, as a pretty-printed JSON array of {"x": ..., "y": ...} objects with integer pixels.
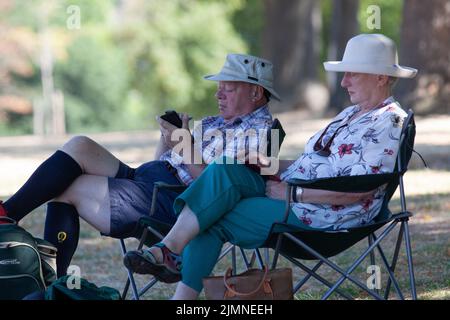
[
  {"x": 10, "y": 220},
  {"x": 231, "y": 292}
]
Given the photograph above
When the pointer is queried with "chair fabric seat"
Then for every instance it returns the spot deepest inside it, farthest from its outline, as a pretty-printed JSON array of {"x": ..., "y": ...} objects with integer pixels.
[{"x": 327, "y": 243}]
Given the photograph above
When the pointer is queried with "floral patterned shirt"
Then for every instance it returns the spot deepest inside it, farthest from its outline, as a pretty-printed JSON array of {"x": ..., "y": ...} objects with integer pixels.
[{"x": 368, "y": 145}]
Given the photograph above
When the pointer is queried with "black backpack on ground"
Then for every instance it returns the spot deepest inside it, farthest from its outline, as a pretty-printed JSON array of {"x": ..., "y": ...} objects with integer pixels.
[{"x": 27, "y": 264}]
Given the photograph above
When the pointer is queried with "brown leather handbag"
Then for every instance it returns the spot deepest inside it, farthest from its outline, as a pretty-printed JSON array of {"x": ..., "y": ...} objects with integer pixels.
[{"x": 253, "y": 284}]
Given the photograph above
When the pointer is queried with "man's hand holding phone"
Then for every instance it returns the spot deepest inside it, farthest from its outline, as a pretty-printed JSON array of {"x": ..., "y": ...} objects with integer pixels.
[
  {"x": 169, "y": 122},
  {"x": 173, "y": 118}
]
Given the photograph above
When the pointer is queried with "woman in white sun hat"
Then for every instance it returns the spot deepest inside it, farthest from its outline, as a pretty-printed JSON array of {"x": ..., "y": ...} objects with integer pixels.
[{"x": 232, "y": 203}]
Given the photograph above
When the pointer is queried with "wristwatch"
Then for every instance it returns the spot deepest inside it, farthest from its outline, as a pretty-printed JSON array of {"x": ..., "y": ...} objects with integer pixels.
[{"x": 297, "y": 194}]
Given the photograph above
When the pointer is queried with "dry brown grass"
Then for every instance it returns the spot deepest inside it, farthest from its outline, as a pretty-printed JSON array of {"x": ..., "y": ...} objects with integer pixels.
[{"x": 100, "y": 260}]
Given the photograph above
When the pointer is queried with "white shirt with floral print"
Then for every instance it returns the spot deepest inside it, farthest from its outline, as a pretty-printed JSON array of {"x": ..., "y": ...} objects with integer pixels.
[{"x": 368, "y": 145}]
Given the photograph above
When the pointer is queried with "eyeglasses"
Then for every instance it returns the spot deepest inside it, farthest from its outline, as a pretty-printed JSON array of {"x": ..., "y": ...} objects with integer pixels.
[{"x": 325, "y": 151}]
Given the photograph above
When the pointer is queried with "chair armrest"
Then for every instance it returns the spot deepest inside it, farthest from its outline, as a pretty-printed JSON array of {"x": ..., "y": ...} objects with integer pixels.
[
  {"x": 150, "y": 231},
  {"x": 174, "y": 187},
  {"x": 361, "y": 183},
  {"x": 146, "y": 221}
]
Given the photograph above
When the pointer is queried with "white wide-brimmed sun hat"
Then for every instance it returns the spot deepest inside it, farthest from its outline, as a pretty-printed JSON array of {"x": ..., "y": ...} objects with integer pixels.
[
  {"x": 371, "y": 53},
  {"x": 246, "y": 68}
]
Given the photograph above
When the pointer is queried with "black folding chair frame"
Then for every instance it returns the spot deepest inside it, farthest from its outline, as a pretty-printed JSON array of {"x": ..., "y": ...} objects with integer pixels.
[
  {"x": 147, "y": 228},
  {"x": 388, "y": 224}
]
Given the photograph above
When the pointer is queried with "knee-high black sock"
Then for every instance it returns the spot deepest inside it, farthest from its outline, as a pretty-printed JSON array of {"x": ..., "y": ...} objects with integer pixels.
[
  {"x": 49, "y": 180},
  {"x": 62, "y": 228},
  {"x": 124, "y": 171}
]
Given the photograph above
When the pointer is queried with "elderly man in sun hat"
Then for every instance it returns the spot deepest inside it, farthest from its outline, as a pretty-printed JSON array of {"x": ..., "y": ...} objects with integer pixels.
[
  {"x": 83, "y": 179},
  {"x": 241, "y": 208},
  {"x": 244, "y": 88}
]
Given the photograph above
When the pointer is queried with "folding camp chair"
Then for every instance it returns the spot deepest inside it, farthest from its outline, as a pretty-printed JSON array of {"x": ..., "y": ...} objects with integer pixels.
[
  {"x": 153, "y": 231},
  {"x": 295, "y": 244}
]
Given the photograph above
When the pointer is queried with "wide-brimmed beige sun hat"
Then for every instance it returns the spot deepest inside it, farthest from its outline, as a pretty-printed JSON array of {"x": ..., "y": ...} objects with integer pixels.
[
  {"x": 371, "y": 53},
  {"x": 246, "y": 68}
]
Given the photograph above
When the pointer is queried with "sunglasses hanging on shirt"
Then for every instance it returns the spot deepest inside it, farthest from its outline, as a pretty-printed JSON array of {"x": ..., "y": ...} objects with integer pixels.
[{"x": 324, "y": 150}]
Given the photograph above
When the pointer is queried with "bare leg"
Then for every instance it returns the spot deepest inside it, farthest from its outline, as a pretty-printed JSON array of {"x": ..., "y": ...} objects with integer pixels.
[
  {"x": 183, "y": 231},
  {"x": 183, "y": 292},
  {"x": 80, "y": 155},
  {"x": 92, "y": 157},
  {"x": 90, "y": 196},
  {"x": 89, "y": 193}
]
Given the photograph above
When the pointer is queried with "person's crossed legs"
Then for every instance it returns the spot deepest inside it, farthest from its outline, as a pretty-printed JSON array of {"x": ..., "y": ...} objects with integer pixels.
[
  {"x": 227, "y": 184},
  {"x": 75, "y": 178}
]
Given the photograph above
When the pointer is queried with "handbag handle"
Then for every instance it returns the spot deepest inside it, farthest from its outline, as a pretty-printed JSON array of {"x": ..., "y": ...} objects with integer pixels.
[
  {"x": 233, "y": 292},
  {"x": 10, "y": 220}
]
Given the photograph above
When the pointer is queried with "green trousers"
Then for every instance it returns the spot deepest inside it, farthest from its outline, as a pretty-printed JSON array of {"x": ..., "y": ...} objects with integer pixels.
[{"x": 230, "y": 204}]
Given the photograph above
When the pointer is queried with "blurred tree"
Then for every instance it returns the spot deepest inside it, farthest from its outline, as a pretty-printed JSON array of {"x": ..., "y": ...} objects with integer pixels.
[
  {"x": 344, "y": 25},
  {"x": 248, "y": 20},
  {"x": 126, "y": 62},
  {"x": 425, "y": 45},
  {"x": 35, "y": 41},
  {"x": 291, "y": 40},
  {"x": 390, "y": 17},
  {"x": 171, "y": 45},
  {"x": 343, "y": 19},
  {"x": 89, "y": 70},
  {"x": 16, "y": 49},
  {"x": 95, "y": 83}
]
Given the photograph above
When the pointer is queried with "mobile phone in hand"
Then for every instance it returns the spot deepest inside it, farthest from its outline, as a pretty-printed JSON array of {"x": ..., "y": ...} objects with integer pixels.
[{"x": 172, "y": 117}]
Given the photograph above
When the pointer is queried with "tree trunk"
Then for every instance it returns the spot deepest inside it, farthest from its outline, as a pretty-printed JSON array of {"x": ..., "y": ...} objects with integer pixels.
[
  {"x": 344, "y": 25},
  {"x": 425, "y": 45},
  {"x": 291, "y": 40}
]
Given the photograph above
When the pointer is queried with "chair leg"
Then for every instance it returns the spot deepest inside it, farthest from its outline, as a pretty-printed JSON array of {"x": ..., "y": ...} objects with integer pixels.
[
  {"x": 130, "y": 276},
  {"x": 252, "y": 259},
  {"x": 410, "y": 262},
  {"x": 233, "y": 259},
  {"x": 372, "y": 257},
  {"x": 345, "y": 274},
  {"x": 232, "y": 250},
  {"x": 248, "y": 264},
  {"x": 266, "y": 256},
  {"x": 277, "y": 250},
  {"x": 312, "y": 273},
  {"x": 307, "y": 277},
  {"x": 125, "y": 289},
  {"x": 259, "y": 258},
  {"x": 394, "y": 259},
  {"x": 131, "y": 280},
  {"x": 149, "y": 285},
  {"x": 225, "y": 252},
  {"x": 391, "y": 274}
]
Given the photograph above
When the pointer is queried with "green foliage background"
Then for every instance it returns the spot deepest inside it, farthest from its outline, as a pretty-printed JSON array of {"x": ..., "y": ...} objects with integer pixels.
[{"x": 117, "y": 73}]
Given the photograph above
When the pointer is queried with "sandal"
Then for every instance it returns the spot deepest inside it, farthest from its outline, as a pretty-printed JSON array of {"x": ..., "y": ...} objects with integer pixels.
[{"x": 144, "y": 262}]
